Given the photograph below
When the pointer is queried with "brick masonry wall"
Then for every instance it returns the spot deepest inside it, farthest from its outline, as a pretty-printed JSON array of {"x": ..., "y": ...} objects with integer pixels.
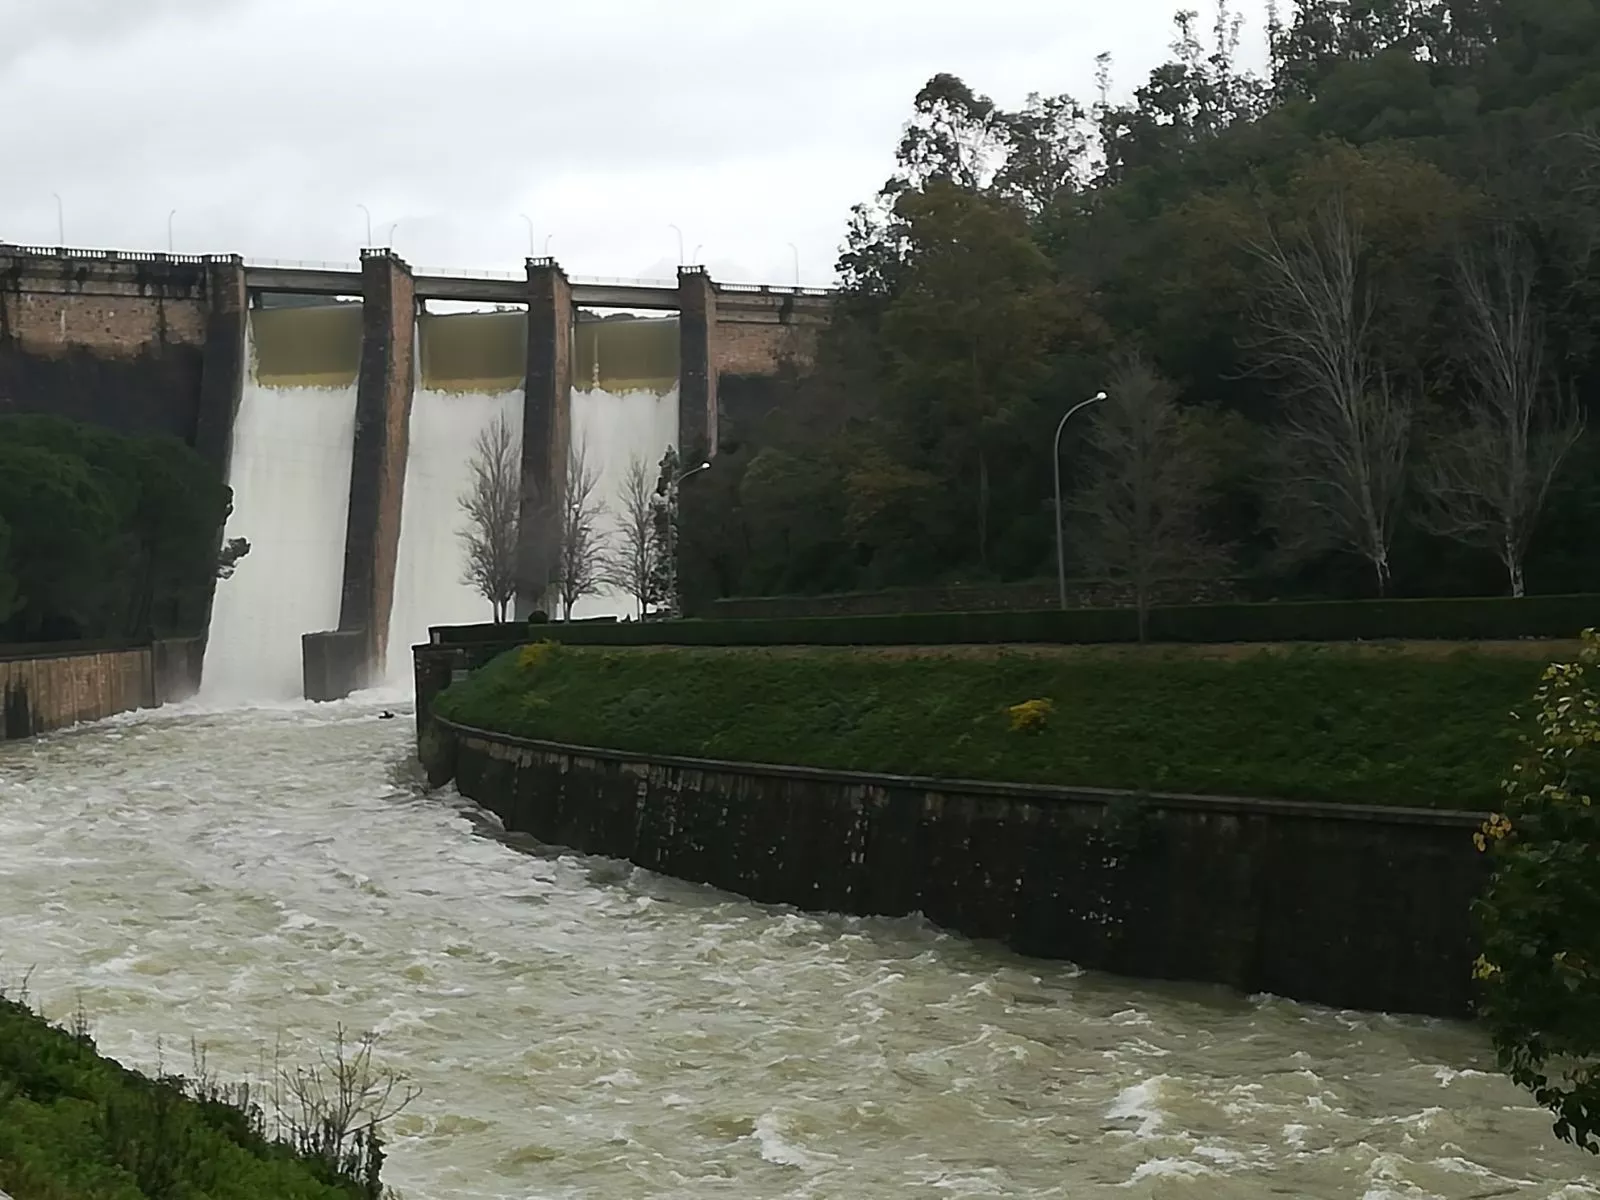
[{"x": 113, "y": 343}]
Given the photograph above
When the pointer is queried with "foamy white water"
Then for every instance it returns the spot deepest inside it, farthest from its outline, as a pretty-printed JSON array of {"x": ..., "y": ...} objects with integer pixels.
[
  {"x": 613, "y": 428},
  {"x": 427, "y": 585},
  {"x": 581, "y": 1029},
  {"x": 290, "y": 474}
]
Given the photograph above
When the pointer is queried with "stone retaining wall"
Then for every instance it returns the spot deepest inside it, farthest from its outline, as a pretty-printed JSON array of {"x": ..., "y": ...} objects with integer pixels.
[{"x": 1354, "y": 906}]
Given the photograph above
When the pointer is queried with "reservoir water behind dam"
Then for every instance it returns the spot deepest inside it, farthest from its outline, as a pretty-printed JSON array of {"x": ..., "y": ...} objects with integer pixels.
[{"x": 252, "y": 878}]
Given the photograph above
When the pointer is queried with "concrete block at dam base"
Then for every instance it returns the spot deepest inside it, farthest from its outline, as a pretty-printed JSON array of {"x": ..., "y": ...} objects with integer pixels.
[{"x": 335, "y": 663}]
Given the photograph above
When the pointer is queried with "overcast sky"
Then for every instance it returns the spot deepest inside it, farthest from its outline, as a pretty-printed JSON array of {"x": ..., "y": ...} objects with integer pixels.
[{"x": 749, "y": 124}]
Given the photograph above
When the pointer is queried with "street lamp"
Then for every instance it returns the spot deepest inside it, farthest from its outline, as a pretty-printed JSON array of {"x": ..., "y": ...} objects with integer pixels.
[
  {"x": 529, "y": 221},
  {"x": 679, "y": 232},
  {"x": 368, "y": 211},
  {"x": 389, "y": 238},
  {"x": 61, "y": 221},
  {"x": 1061, "y": 561},
  {"x": 170, "y": 215},
  {"x": 795, "y": 250}
]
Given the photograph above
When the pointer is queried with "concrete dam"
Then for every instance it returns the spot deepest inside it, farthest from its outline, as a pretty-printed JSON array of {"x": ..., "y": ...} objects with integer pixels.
[{"x": 343, "y": 413}]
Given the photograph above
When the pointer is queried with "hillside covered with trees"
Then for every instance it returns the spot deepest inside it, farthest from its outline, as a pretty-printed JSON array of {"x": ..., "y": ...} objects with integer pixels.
[
  {"x": 1348, "y": 315},
  {"x": 104, "y": 536}
]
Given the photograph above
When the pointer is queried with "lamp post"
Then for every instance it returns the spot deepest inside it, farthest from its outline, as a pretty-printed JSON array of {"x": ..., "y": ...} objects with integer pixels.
[
  {"x": 171, "y": 213},
  {"x": 389, "y": 237},
  {"x": 61, "y": 221},
  {"x": 368, "y": 211},
  {"x": 679, "y": 232},
  {"x": 1061, "y": 561},
  {"x": 795, "y": 250},
  {"x": 529, "y": 221},
  {"x": 672, "y": 528}
]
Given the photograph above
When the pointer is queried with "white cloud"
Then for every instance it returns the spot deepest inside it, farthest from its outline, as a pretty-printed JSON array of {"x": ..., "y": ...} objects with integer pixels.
[{"x": 264, "y": 123}]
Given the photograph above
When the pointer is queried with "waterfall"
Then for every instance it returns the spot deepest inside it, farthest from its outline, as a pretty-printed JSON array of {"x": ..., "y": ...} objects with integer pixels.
[
  {"x": 470, "y": 370},
  {"x": 624, "y": 405},
  {"x": 290, "y": 473}
]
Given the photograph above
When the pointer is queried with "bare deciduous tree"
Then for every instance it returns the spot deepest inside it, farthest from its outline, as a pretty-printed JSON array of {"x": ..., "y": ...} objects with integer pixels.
[
  {"x": 336, "y": 1110},
  {"x": 1141, "y": 509},
  {"x": 1341, "y": 467},
  {"x": 631, "y": 565},
  {"x": 581, "y": 549},
  {"x": 492, "y": 504},
  {"x": 1487, "y": 478}
]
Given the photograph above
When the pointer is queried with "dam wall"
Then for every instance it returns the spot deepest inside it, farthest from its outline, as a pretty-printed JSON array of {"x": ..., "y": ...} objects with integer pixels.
[
  {"x": 159, "y": 344},
  {"x": 1349, "y": 905}
]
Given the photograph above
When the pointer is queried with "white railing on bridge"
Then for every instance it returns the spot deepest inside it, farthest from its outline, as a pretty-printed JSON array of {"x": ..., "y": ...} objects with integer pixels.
[
  {"x": 303, "y": 264},
  {"x": 618, "y": 281},
  {"x": 79, "y": 254},
  {"x": 773, "y": 289}
]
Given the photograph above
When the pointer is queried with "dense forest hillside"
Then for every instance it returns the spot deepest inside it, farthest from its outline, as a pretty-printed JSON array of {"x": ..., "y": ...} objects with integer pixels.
[
  {"x": 104, "y": 536},
  {"x": 1346, "y": 314}
]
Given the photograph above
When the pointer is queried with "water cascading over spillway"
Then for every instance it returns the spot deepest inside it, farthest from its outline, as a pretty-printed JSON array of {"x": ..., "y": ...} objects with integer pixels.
[
  {"x": 290, "y": 473},
  {"x": 470, "y": 369},
  {"x": 624, "y": 407}
]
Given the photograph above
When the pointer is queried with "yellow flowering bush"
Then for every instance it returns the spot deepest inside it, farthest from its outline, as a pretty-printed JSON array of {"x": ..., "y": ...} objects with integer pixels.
[
  {"x": 535, "y": 654},
  {"x": 1539, "y": 970},
  {"x": 1030, "y": 716}
]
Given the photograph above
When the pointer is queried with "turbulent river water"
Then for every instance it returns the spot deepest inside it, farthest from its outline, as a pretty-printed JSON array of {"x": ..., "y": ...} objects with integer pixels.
[{"x": 255, "y": 878}]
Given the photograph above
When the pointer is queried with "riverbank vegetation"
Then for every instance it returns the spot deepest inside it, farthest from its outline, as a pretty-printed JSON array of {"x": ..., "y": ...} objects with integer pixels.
[
  {"x": 78, "y": 1126},
  {"x": 1330, "y": 723},
  {"x": 1540, "y": 918},
  {"x": 1345, "y": 309},
  {"x": 104, "y": 536}
]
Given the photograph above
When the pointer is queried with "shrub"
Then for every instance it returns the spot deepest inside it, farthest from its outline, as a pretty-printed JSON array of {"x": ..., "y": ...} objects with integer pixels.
[
  {"x": 534, "y": 655},
  {"x": 1484, "y": 618},
  {"x": 1540, "y": 917},
  {"x": 1030, "y": 716}
]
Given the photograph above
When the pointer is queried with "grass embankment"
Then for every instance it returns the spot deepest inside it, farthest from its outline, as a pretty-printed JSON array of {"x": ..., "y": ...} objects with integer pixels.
[
  {"x": 1357, "y": 724},
  {"x": 76, "y": 1126}
]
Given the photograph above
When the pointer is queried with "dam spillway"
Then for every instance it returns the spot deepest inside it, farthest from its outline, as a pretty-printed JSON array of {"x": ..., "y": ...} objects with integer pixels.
[
  {"x": 290, "y": 474},
  {"x": 470, "y": 370},
  {"x": 624, "y": 410},
  {"x": 171, "y": 341}
]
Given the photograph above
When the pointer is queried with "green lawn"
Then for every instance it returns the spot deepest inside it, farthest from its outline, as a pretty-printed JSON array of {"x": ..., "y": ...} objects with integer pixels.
[{"x": 1315, "y": 723}]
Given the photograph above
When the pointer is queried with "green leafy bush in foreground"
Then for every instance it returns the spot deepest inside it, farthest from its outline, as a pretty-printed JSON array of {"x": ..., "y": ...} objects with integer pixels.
[
  {"x": 76, "y": 1126},
  {"x": 1315, "y": 724},
  {"x": 1540, "y": 918}
]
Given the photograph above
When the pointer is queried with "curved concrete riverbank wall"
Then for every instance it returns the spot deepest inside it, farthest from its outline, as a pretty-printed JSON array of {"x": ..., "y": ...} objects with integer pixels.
[{"x": 1347, "y": 905}]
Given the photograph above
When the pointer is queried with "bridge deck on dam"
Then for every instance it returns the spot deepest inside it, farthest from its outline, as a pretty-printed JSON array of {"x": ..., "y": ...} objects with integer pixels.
[{"x": 314, "y": 281}]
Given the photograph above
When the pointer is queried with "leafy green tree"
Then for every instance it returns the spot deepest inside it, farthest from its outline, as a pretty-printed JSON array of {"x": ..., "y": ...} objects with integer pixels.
[
  {"x": 1540, "y": 917},
  {"x": 968, "y": 337},
  {"x": 63, "y": 525},
  {"x": 10, "y": 593}
]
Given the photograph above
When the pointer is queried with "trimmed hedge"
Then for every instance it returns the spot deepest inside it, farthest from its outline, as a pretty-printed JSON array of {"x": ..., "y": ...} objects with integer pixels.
[{"x": 1492, "y": 618}]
